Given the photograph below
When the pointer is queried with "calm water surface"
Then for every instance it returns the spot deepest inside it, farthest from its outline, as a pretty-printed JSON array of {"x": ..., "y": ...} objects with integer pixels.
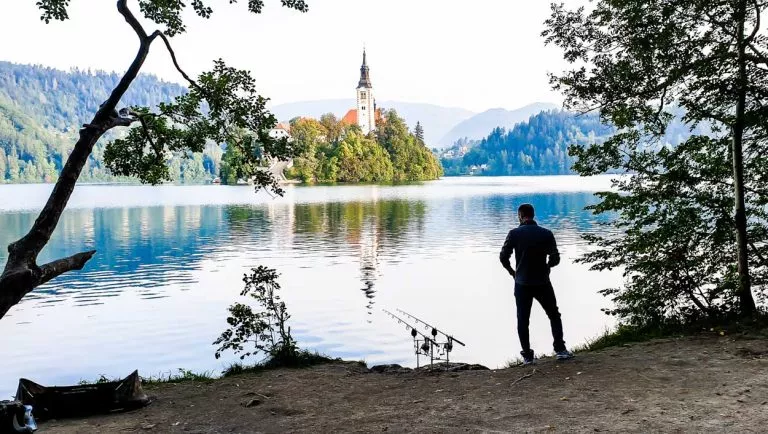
[{"x": 171, "y": 259}]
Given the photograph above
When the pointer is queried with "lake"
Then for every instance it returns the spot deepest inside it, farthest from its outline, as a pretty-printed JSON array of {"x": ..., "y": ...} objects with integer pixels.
[{"x": 171, "y": 260}]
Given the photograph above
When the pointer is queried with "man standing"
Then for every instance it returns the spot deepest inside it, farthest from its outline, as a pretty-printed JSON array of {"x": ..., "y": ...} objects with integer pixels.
[{"x": 535, "y": 253}]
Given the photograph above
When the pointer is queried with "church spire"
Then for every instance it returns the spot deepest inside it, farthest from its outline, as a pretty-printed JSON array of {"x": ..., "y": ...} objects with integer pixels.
[{"x": 365, "y": 78}]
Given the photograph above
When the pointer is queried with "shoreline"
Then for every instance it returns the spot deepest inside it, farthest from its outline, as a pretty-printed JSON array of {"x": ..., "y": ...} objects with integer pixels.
[
  {"x": 296, "y": 181},
  {"x": 694, "y": 383}
]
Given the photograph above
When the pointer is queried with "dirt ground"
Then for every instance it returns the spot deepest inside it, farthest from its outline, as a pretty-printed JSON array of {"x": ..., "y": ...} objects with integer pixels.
[{"x": 698, "y": 384}]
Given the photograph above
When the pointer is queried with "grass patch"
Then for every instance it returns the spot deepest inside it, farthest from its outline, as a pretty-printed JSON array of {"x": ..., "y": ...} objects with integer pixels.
[
  {"x": 182, "y": 376},
  {"x": 626, "y": 334},
  {"x": 302, "y": 359}
]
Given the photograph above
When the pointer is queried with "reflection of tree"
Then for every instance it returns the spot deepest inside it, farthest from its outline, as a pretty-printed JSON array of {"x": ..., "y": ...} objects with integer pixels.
[
  {"x": 146, "y": 248},
  {"x": 138, "y": 247},
  {"x": 346, "y": 220},
  {"x": 246, "y": 220},
  {"x": 370, "y": 227}
]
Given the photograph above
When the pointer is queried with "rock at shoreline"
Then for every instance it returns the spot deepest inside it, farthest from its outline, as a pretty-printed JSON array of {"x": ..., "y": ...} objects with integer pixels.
[
  {"x": 453, "y": 367},
  {"x": 437, "y": 367},
  {"x": 389, "y": 369}
]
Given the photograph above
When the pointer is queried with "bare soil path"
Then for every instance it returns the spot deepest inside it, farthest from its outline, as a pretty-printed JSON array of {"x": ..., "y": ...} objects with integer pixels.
[{"x": 697, "y": 384}]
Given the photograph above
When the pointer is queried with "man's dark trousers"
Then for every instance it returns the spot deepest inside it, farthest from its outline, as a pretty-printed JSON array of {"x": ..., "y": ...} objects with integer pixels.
[{"x": 545, "y": 295}]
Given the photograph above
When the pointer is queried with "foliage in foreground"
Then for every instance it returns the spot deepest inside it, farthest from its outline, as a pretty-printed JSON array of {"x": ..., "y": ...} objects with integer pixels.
[
  {"x": 301, "y": 359},
  {"x": 333, "y": 151},
  {"x": 263, "y": 331},
  {"x": 691, "y": 232}
]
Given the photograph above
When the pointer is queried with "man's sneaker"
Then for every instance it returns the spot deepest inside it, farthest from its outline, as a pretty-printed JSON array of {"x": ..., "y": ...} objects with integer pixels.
[
  {"x": 564, "y": 355},
  {"x": 528, "y": 357}
]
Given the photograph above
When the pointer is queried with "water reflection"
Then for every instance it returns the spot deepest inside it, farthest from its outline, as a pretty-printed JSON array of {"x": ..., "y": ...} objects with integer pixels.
[
  {"x": 366, "y": 228},
  {"x": 146, "y": 249}
]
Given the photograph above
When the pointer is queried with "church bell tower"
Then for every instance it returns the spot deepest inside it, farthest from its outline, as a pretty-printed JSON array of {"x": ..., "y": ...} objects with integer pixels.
[{"x": 366, "y": 105}]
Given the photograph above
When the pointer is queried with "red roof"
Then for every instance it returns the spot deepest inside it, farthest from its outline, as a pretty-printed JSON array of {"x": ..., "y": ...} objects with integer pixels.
[{"x": 351, "y": 117}]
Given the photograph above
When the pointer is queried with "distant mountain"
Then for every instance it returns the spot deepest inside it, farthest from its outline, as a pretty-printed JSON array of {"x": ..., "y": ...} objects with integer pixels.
[
  {"x": 480, "y": 125},
  {"x": 436, "y": 120}
]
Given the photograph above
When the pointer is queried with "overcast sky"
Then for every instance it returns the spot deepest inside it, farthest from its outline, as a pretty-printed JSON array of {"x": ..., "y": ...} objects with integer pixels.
[{"x": 476, "y": 54}]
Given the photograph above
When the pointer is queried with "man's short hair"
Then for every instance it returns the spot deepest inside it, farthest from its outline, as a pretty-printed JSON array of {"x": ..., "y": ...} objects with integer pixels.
[{"x": 526, "y": 210}]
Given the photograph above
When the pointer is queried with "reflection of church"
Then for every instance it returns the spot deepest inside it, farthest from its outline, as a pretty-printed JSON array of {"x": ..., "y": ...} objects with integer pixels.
[
  {"x": 369, "y": 260},
  {"x": 366, "y": 115}
]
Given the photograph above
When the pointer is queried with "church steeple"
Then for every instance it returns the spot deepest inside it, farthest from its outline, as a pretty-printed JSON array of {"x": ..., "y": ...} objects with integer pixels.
[
  {"x": 365, "y": 77},
  {"x": 366, "y": 104}
]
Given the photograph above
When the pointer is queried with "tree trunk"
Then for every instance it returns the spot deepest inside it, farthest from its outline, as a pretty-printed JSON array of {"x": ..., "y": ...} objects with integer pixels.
[
  {"x": 746, "y": 301},
  {"x": 22, "y": 274}
]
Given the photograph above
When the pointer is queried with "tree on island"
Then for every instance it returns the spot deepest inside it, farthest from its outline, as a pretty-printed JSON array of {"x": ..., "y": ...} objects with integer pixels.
[
  {"x": 332, "y": 151},
  {"x": 691, "y": 230},
  {"x": 222, "y": 106},
  {"x": 418, "y": 132}
]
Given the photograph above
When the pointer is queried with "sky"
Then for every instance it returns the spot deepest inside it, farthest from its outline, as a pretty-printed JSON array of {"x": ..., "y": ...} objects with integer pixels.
[{"x": 474, "y": 54}]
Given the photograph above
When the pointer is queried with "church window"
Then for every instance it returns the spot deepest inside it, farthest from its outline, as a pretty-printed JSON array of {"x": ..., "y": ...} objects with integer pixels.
[
  {"x": 363, "y": 107},
  {"x": 362, "y": 95}
]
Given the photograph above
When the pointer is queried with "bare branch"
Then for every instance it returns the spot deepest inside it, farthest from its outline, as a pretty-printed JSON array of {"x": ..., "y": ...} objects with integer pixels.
[
  {"x": 524, "y": 377},
  {"x": 138, "y": 62},
  {"x": 752, "y": 35},
  {"x": 173, "y": 58},
  {"x": 757, "y": 253},
  {"x": 61, "y": 266},
  {"x": 147, "y": 134},
  {"x": 662, "y": 102},
  {"x": 122, "y": 7},
  {"x": 758, "y": 57}
]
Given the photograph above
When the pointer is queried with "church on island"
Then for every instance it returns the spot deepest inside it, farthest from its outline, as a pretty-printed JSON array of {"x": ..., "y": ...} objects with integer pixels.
[{"x": 366, "y": 115}]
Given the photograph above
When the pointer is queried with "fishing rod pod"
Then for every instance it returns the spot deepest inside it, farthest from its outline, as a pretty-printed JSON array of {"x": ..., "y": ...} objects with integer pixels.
[{"x": 426, "y": 345}]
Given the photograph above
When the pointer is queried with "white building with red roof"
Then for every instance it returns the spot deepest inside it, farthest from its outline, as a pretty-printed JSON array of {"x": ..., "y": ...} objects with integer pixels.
[{"x": 366, "y": 114}]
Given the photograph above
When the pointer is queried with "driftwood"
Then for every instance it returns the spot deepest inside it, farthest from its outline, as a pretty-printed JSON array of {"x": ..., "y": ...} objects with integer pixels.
[
  {"x": 69, "y": 401},
  {"x": 524, "y": 377}
]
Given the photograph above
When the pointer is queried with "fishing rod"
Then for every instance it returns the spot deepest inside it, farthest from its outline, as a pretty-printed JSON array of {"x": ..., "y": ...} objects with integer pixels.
[
  {"x": 413, "y": 329},
  {"x": 435, "y": 331},
  {"x": 428, "y": 344}
]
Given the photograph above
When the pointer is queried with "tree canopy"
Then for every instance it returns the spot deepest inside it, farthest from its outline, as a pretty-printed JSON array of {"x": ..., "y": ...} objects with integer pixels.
[{"x": 691, "y": 230}]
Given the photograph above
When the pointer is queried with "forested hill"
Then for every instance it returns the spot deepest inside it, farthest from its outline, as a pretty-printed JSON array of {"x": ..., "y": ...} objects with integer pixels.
[
  {"x": 539, "y": 146},
  {"x": 536, "y": 147},
  {"x": 42, "y": 109}
]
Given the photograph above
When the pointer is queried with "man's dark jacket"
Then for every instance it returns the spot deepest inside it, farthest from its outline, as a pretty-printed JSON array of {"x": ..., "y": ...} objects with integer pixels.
[{"x": 535, "y": 253}]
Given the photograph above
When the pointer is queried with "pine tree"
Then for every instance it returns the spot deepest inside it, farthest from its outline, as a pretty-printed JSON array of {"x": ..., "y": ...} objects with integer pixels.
[
  {"x": 419, "y": 132},
  {"x": 3, "y": 164}
]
